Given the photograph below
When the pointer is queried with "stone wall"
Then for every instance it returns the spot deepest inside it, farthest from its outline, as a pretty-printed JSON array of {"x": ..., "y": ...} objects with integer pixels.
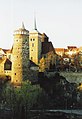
[{"x": 73, "y": 77}]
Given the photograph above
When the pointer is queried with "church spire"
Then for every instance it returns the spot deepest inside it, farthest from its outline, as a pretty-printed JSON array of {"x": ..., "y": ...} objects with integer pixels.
[{"x": 35, "y": 27}]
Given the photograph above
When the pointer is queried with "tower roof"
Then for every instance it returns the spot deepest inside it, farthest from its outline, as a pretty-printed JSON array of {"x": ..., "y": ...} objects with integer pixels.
[
  {"x": 35, "y": 27},
  {"x": 23, "y": 27},
  {"x": 21, "y": 30}
]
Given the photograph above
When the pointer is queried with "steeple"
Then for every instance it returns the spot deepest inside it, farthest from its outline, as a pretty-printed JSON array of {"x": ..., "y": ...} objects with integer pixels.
[
  {"x": 35, "y": 28},
  {"x": 23, "y": 27}
]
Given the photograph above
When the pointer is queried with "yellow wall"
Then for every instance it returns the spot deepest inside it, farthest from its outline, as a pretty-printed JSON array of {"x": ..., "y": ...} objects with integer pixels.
[
  {"x": 1, "y": 66},
  {"x": 17, "y": 58},
  {"x": 35, "y": 46}
]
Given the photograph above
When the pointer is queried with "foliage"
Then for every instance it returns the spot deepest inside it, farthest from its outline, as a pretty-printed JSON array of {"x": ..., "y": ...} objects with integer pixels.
[
  {"x": 3, "y": 80},
  {"x": 61, "y": 93},
  {"x": 22, "y": 99},
  {"x": 42, "y": 64},
  {"x": 53, "y": 92}
]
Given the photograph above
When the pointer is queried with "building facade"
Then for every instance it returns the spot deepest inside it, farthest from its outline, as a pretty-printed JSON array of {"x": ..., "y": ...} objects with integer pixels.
[
  {"x": 35, "y": 46},
  {"x": 28, "y": 47}
]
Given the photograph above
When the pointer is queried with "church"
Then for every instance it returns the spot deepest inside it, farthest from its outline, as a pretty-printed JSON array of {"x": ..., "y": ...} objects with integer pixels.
[{"x": 31, "y": 51}]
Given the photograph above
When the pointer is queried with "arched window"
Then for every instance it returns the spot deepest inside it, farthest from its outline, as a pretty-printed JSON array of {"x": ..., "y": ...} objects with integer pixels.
[{"x": 7, "y": 65}]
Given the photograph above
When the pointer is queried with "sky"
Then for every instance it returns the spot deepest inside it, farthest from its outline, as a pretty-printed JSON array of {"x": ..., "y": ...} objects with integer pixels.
[{"x": 61, "y": 20}]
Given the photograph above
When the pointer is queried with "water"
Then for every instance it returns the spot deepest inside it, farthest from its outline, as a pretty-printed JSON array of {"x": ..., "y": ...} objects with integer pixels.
[{"x": 38, "y": 115}]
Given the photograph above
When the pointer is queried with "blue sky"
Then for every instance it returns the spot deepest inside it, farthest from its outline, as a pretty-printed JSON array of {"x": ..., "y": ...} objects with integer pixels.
[{"x": 61, "y": 20}]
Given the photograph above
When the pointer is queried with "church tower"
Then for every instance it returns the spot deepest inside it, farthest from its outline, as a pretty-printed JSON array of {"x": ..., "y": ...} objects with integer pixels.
[
  {"x": 35, "y": 45},
  {"x": 20, "y": 53}
]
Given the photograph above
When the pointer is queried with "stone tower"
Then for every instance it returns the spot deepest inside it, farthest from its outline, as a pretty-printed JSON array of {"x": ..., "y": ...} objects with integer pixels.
[
  {"x": 35, "y": 45},
  {"x": 20, "y": 53}
]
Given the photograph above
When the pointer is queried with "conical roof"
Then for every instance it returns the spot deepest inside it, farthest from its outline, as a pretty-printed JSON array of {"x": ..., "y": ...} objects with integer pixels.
[{"x": 21, "y": 30}]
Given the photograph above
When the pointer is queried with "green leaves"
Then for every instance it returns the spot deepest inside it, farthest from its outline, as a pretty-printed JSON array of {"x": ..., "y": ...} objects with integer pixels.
[{"x": 26, "y": 96}]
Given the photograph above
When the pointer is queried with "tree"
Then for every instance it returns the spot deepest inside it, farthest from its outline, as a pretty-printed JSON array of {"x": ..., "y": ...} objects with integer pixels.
[
  {"x": 3, "y": 81},
  {"x": 42, "y": 64},
  {"x": 22, "y": 99}
]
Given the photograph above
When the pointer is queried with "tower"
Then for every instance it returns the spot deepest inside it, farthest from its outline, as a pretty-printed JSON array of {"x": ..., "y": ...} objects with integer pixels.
[
  {"x": 35, "y": 44},
  {"x": 20, "y": 53}
]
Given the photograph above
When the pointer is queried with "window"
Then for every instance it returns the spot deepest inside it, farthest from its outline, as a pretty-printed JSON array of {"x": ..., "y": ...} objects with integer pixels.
[
  {"x": 15, "y": 73},
  {"x": 19, "y": 65},
  {"x": 31, "y": 58},
  {"x": 32, "y": 44},
  {"x": 9, "y": 56},
  {"x": 33, "y": 39},
  {"x": 0, "y": 56},
  {"x": 7, "y": 65},
  {"x": 30, "y": 39},
  {"x": 17, "y": 40}
]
